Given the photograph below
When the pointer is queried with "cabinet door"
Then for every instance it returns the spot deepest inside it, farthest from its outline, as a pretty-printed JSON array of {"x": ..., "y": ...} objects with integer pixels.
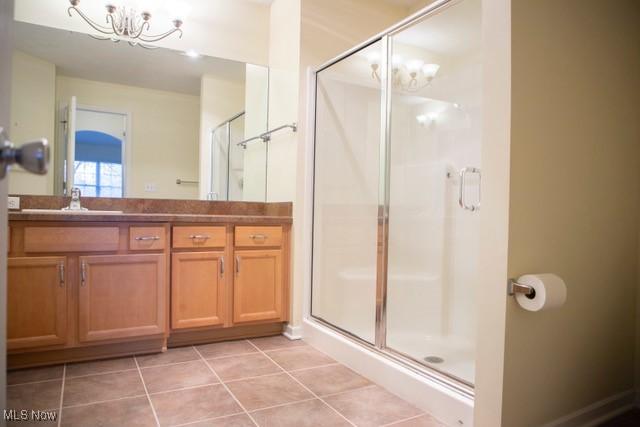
[
  {"x": 257, "y": 290},
  {"x": 121, "y": 296},
  {"x": 36, "y": 302},
  {"x": 197, "y": 289}
]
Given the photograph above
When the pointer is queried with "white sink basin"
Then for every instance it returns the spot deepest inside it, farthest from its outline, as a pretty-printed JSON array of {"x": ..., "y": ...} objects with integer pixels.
[{"x": 60, "y": 211}]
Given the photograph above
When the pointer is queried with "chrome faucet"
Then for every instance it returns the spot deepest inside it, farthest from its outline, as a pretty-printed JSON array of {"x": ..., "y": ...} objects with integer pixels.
[{"x": 75, "y": 205}]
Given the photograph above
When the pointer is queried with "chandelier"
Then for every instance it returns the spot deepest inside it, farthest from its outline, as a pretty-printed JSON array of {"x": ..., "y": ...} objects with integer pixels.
[
  {"x": 130, "y": 25},
  {"x": 409, "y": 76}
]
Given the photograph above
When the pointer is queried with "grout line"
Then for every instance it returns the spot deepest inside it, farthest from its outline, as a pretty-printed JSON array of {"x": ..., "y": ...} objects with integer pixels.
[
  {"x": 35, "y": 382},
  {"x": 182, "y": 388},
  {"x": 314, "y": 367},
  {"x": 226, "y": 356},
  {"x": 161, "y": 365},
  {"x": 227, "y": 388},
  {"x": 235, "y": 380},
  {"x": 350, "y": 390},
  {"x": 64, "y": 374},
  {"x": 305, "y": 387},
  {"x": 403, "y": 420},
  {"x": 103, "y": 401},
  {"x": 283, "y": 404},
  {"x": 135, "y": 359},
  {"x": 210, "y": 419},
  {"x": 101, "y": 373}
]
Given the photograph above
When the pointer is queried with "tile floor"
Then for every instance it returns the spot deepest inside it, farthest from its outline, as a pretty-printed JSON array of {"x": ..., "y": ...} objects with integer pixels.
[{"x": 264, "y": 381}]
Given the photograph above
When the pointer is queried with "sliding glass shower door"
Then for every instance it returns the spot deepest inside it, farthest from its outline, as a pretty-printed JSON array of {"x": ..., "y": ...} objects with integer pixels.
[{"x": 397, "y": 191}]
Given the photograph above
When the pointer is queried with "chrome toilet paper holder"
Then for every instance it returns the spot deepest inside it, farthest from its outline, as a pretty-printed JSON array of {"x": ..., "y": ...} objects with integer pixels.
[{"x": 513, "y": 287}]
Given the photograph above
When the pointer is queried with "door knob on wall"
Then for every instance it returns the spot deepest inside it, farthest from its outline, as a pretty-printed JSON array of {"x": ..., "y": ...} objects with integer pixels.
[{"x": 32, "y": 156}]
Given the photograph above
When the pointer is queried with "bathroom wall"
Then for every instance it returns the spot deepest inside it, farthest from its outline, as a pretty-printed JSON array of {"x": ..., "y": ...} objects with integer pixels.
[
  {"x": 158, "y": 154},
  {"x": 229, "y": 29},
  {"x": 574, "y": 204},
  {"x": 219, "y": 101},
  {"x": 33, "y": 103}
]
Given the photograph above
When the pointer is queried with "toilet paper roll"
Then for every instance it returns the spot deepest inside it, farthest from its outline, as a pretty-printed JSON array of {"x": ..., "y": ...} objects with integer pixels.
[{"x": 551, "y": 292}]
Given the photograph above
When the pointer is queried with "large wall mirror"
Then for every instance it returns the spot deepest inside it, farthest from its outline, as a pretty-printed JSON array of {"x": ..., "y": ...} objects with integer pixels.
[{"x": 126, "y": 121}]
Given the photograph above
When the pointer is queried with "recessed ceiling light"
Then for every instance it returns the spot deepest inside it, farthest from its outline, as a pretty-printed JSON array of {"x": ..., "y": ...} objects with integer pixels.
[{"x": 192, "y": 53}]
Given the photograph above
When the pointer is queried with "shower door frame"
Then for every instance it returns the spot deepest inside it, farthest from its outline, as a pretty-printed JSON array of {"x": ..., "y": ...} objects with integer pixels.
[{"x": 448, "y": 380}]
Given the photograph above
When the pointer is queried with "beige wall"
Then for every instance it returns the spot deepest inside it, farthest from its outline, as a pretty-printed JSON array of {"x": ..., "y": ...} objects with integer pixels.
[
  {"x": 32, "y": 116},
  {"x": 574, "y": 200},
  {"x": 219, "y": 101},
  {"x": 163, "y": 144}
]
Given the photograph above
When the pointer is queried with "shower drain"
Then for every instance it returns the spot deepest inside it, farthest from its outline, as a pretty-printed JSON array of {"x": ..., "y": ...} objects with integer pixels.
[{"x": 433, "y": 359}]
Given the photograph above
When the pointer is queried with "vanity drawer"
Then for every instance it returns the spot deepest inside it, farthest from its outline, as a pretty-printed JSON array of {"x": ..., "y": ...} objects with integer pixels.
[
  {"x": 185, "y": 237},
  {"x": 146, "y": 238},
  {"x": 71, "y": 239},
  {"x": 251, "y": 236}
]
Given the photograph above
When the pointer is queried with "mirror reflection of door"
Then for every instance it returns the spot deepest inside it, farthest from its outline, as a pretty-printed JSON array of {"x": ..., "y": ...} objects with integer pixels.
[{"x": 99, "y": 152}]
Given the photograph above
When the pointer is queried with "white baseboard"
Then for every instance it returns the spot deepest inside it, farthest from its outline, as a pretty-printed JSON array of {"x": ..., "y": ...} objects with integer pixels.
[
  {"x": 292, "y": 332},
  {"x": 598, "y": 412}
]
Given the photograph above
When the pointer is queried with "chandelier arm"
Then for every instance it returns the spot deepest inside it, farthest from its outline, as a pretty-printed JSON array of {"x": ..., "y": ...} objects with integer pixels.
[
  {"x": 142, "y": 28},
  {"x": 155, "y": 38},
  {"x": 95, "y": 26},
  {"x": 111, "y": 19}
]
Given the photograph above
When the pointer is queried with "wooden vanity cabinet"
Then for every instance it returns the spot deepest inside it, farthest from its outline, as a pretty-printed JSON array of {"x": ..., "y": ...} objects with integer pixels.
[
  {"x": 121, "y": 296},
  {"x": 36, "y": 302},
  {"x": 260, "y": 286},
  {"x": 197, "y": 289}
]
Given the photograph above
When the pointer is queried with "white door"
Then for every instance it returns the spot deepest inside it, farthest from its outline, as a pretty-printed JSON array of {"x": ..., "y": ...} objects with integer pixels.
[
  {"x": 6, "y": 22},
  {"x": 71, "y": 144}
]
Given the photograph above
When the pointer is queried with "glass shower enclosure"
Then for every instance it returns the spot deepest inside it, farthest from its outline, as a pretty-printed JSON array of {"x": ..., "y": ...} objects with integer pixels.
[
  {"x": 397, "y": 192},
  {"x": 227, "y": 160}
]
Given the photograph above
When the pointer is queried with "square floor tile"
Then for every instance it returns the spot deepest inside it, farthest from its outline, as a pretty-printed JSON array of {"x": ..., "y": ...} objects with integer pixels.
[
  {"x": 262, "y": 392},
  {"x": 194, "y": 404},
  {"x": 42, "y": 395},
  {"x": 372, "y": 406},
  {"x": 330, "y": 379},
  {"x": 241, "y": 420},
  {"x": 421, "y": 421},
  {"x": 96, "y": 388},
  {"x": 303, "y": 414},
  {"x": 300, "y": 358},
  {"x": 227, "y": 348},
  {"x": 276, "y": 342},
  {"x": 237, "y": 367},
  {"x": 180, "y": 375},
  {"x": 134, "y": 412},
  {"x": 21, "y": 376},
  {"x": 173, "y": 355},
  {"x": 100, "y": 367}
]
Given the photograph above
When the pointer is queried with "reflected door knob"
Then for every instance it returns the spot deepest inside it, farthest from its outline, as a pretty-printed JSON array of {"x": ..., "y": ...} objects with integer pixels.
[{"x": 32, "y": 156}]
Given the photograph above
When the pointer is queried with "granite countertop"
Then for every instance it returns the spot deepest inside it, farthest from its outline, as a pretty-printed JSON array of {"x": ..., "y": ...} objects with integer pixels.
[{"x": 149, "y": 217}]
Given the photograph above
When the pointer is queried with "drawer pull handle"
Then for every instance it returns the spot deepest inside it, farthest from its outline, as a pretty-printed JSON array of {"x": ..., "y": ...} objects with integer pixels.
[
  {"x": 83, "y": 273},
  {"x": 221, "y": 266},
  {"x": 199, "y": 237},
  {"x": 61, "y": 274},
  {"x": 237, "y": 264},
  {"x": 147, "y": 238},
  {"x": 258, "y": 236}
]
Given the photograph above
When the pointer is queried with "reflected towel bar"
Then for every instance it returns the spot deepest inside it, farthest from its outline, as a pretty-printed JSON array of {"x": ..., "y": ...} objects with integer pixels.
[
  {"x": 266, "y": 136},
  {"x": 184, "y": 181}
]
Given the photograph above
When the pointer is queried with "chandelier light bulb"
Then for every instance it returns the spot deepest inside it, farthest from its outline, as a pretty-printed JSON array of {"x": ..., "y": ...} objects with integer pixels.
[
  {"x": 373, "y": 57},
  {"x": 430, "y": 70},
  {"x": 396, "y": 61},
  {"x": 415, "y": 65},
  {"x": 178, "y": 10}
]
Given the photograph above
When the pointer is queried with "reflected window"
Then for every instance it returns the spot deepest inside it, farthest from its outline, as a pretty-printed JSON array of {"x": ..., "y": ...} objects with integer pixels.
[{"x": 98, "y": 164}]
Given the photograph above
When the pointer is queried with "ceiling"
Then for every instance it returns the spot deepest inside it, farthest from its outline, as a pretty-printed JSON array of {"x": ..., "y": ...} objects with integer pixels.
[
  {"x": 454, "y": 31},
  {"x": 79, "y": 55}
]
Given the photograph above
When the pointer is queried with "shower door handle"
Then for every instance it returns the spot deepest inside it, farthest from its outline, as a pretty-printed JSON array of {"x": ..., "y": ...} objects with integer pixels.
[{"x": 462, "y": 194}]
